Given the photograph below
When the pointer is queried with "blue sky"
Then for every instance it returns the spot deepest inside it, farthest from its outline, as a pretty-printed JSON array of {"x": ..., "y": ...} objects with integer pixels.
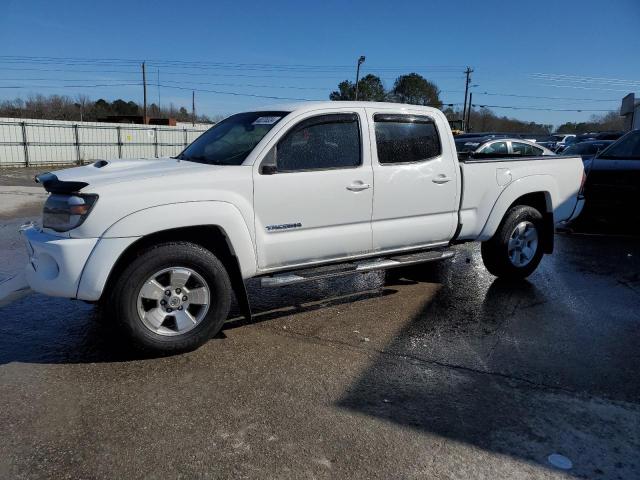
[{"x": 583, "y": 52}]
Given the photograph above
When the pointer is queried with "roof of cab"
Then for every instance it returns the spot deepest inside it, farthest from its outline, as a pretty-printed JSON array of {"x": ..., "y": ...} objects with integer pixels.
[{"x": 310, "y": 106}]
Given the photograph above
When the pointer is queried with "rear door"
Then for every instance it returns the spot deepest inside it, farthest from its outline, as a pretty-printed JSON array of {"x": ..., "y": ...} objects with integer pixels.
[
  {"x": 313, "y": 191},
  {"x": 416, "y": 181}
]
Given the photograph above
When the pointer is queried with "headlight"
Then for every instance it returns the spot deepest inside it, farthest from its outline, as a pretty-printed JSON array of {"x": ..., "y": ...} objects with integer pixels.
[{"x": 65, "y": 212}]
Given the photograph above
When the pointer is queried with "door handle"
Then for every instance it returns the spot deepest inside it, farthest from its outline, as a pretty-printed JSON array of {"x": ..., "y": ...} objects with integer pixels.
[
  {"x": 358, "y": 186},
  {"x": 442, "y": 178}
]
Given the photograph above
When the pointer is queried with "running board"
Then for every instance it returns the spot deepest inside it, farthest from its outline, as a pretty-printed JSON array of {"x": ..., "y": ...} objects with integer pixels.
[{"x": 368, "y": 265}]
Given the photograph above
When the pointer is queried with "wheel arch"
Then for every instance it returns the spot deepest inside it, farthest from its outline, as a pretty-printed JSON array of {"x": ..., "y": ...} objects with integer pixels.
[
  {"x": 536, "y": 191},
  {"x": 212, "y": 237}
]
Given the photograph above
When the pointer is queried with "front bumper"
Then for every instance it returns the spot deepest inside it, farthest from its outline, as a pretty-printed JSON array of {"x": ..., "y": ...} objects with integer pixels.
[{"x": 55, "y": 263}]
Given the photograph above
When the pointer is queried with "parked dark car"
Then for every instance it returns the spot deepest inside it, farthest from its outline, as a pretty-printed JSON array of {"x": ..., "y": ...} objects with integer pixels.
[
  {"x": 612, "y": 188},
  {"x": 587, "y": 137},
  {"x": 587, "y": 150},
  {"x": 584, "y": 137}
]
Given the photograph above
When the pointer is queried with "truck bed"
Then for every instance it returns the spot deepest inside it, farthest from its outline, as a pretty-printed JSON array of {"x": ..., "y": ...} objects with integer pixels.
[{"x": 488, "y": 182}]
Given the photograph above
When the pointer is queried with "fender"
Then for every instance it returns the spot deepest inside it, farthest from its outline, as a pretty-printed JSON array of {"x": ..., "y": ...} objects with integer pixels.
[
  {"x": 130, "y": 228},
  {"x": 515, "y": 190}
]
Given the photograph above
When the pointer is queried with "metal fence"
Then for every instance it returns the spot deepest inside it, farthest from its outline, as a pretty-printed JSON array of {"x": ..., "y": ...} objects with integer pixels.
[{"x": 28, "y": 143}]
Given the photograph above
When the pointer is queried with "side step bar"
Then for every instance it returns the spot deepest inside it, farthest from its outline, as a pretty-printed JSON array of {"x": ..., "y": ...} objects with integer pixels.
[{"x": 328, "y": 271}]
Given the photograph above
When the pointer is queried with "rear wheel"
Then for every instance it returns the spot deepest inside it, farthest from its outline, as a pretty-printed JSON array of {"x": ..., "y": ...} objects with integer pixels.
[
  {"x": 173, "y": 297},
  {"x": 516, "y": 248}
]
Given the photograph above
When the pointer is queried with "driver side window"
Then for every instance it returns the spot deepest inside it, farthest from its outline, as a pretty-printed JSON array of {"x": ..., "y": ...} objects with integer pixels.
[{"x": 320, "y": 143}]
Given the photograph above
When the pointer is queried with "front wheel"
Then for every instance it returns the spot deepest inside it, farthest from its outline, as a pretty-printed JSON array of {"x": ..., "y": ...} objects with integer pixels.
[
  {"x": 515, "y": 250},
  {"x": 172, "y": 298}
]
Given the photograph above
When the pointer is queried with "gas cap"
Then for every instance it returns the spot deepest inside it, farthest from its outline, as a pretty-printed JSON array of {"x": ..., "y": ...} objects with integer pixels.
[{"x": 503, "y": 176}]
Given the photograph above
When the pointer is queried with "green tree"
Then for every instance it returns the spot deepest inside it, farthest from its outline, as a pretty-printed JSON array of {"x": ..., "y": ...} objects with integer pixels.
[
  {"x": 346, "y": 91},
  {"x": 417, "y": 90},
  {"x": 370, "y": 88},
  {"x": 608, "y": 121}
]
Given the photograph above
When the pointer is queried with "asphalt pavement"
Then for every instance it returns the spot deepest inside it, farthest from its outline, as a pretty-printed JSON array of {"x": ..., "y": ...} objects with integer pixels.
[{"x": 443, "y": 373}]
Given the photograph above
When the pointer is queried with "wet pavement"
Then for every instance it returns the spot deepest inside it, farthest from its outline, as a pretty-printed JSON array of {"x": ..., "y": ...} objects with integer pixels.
[{"x": 445, "y": 373}]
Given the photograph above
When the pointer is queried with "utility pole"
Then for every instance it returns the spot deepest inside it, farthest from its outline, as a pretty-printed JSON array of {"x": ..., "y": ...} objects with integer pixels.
[
  {"x": 468, "y": 123},
  {"x": 468, "y": 73},
  {"x": 360, "y": 62},
  {"x": 144, "y": 90},
  {"x": 159, "y": 89},
  {"x": 193, "y": 108}
]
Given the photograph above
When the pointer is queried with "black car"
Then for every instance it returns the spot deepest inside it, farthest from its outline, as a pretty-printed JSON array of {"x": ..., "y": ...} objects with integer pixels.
[
  {"x": 584, "y": 137},
  {"x": 612, "y": 188},
  {"x": 587, "y": 150}
]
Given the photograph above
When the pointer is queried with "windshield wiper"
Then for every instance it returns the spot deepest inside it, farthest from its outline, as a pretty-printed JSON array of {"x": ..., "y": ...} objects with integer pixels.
[{"x": 197, "y": 158}]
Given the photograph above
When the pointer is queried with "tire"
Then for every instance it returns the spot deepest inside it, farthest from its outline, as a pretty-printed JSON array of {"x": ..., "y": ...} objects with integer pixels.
[
  {"x": 512, "y": 252},
  {"x": 181, "y": 269}
]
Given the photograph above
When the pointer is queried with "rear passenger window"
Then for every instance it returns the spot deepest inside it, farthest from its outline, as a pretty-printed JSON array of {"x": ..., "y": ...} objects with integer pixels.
[
  {"x": 525, "y": 149},
  {"x": 320, "y": 143},
  {"x": 405, "y": 138},
  {"x": 495, "y": 148}
]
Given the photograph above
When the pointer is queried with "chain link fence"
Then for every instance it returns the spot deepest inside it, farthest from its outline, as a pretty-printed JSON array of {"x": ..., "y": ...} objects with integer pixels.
[{"x": 32, "y": 143}]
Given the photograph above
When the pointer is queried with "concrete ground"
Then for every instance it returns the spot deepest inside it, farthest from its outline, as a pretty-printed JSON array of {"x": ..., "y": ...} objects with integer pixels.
[{"x": 447, "y": 373}]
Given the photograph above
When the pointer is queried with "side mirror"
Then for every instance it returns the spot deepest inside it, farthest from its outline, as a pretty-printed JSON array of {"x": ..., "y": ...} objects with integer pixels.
[{"x": 269, "y": 169}]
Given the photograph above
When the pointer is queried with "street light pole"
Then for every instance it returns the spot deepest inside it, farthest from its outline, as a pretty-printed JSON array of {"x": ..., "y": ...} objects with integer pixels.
[{"x": 360, "y": 62}]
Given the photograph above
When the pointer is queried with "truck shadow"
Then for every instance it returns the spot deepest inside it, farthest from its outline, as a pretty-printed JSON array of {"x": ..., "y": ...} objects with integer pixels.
[
  {"x": 509, "y": 373},
  {"x": 41, "y": 329}
]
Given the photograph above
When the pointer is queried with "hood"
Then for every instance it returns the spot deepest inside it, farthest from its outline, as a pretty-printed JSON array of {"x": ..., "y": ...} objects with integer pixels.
[{"x": 105, "y": 172}]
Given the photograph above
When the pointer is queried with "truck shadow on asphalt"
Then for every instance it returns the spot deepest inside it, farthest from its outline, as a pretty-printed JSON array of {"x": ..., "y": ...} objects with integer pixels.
[
  {"x": 523, "y": 369},
  {"x": 516, "y": 371},
  {"x": 30, "y": 331}
]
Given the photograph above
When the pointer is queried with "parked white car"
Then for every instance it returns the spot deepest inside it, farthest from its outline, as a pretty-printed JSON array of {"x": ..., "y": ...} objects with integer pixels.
[
  {"x": 501, "y": 147},
  {"x": 289, "y": 194},
  {"x": 563, "y": 140}
]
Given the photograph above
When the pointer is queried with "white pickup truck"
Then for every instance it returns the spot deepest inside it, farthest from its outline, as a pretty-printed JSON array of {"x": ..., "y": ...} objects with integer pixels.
[{"x": 288, "y": 194}]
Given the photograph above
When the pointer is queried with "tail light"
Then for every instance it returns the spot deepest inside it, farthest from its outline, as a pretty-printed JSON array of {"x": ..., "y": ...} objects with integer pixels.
[{"x": 582, "y": 183}]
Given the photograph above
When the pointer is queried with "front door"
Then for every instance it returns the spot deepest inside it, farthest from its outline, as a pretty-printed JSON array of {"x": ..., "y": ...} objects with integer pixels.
[
  {"x": 613, "y": 180},
  {"x": 416, "y": 197},
  {"x": 313, "y": 192}
]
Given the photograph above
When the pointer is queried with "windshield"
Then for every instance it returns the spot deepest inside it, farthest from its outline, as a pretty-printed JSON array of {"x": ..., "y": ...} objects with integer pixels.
[
  {"x": 628, "y": 147},
  {"x": 231, "y": 141}
]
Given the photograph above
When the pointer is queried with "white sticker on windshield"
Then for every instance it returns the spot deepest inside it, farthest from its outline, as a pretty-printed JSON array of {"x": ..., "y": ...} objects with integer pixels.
[{"x": 265, "y": 120}]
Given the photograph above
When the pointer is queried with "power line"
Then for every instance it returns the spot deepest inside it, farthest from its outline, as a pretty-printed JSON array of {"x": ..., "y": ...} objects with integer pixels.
[
  {"x": 68, "y": 86},
  {"x": 252, "y": 85},
  {"x": 539, "y": 108},
  {"x": 237, "y": 94},
  {"x": 294, "y": 87},
  {"x": 202, "y": 64},
  {"x": 549, "y": 98},
  {"x": 62, "y": 79},
  {"x": 583, "y": 79},
  {"x": 578, "y": 87},
  {"x": 310, "y": 75}
]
